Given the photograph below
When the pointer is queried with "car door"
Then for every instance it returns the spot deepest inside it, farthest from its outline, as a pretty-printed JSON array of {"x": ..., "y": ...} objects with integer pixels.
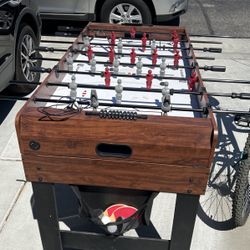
[{"x": 63, "y": 6}]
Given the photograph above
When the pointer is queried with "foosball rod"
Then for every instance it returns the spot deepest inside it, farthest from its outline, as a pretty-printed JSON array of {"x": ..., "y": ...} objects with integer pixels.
[
  {"x": 212, "y": 50},
  {"x": 204, "y": 110},
  {"x": 214, "y": 68},
  {"x": 233, "y": 95},
  {"x": 105, "y": 54},
  {"x": 49, "y": 70}
]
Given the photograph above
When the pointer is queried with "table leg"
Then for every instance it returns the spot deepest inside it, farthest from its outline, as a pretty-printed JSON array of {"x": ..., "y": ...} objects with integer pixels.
[
  {"x": 46, "y": 215},
  {"x": 184, "y": 220}
]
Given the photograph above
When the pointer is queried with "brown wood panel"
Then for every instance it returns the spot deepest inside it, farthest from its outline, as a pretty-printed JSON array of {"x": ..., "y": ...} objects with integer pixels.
[
  {"x": 175, "y": 142},
  {"x": 119, "y": 173}
]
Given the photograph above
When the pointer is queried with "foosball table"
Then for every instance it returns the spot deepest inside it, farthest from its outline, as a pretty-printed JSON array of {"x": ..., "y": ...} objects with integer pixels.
[{"x": 125, "y": 109}]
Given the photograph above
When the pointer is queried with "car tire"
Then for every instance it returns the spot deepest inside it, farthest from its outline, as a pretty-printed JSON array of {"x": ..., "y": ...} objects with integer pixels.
[
  {"x": 25, "y": 35},
  {"x": 174, "y": 22},
  {"x": 139, "y": 8}
]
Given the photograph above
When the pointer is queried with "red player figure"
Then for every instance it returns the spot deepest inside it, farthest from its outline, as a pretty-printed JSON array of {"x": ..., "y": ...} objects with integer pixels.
[
  {"x": 132, "y": 56},
  {"x": 111, "y": 55},
  {"x": 154, "y": 57},
  {"x": 107, "y": 76},
  {"x": 113, "y": 37},
  {"x": 175, "y": 44},
  {"x": 149, "y": 78},
  {"x": 177, "y": 57},
  {"x": 175, "y": 35},
  {"x": 192, "y": 80},
  {"x": 132, "y": 32},
  {"x": 144, "y": 41},
  {"x": 90, "y": 53}
]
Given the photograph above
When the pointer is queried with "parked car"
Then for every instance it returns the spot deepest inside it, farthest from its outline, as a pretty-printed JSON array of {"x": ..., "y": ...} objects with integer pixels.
[
  {"x": 20, "y": 32},
  {"x": 114, "y": 11}
]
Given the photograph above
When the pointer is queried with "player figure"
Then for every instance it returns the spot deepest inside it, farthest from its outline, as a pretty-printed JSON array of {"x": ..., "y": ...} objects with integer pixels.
[
  {"x": 111, "y": 54},
  {"x": 144, "y": 41},
  {"x": 165, "y": 100},
  {"x": 132, "y": 56},
  {"x": 133, "y": 32},
  {"x": 177, "y": 57},
  {"x": 113, "y": 38},
  {"x": 90, "y": 53},
  {"x": 149, "y": 79},
  {"x": 153, "y": 46},
  {"x": 107, "y": 76},
  {"x": 94, "y": 103},
  {"x": 116, "y": 65},
  {"x": 192, "y": 80},
  {"x": 139, "y": 66},
  {"x": 175, "y": 44},
  {"x": 163, "y": 67},
  {"x": 73, "y": 88},
  {"x": 86, "y": 42},
  {"x": 93, "y": 64},
  {"x": 119, "y": 89},
  {"x": 120, "y": 46},
  {"x": 154, "y": 57},
  {"x": 70, "y": 61}
]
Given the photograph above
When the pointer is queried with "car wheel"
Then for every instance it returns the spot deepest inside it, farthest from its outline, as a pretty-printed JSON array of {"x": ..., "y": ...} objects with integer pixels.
[
  {"x": 25, "y": 49},
  {"x": 126, "y": 12},
  {"x": 174, "y": 22}
]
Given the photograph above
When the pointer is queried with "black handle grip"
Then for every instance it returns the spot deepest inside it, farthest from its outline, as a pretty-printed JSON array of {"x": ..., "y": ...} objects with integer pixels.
[
  {"x": 215, "y": 50},
  {"x": 245, "y": 96},
  {"x": 212, "y": 50},
  {"x": 40, "y": 69},
  {"x": 46, "y": 49},
  {"x": 215, "y": 68}
]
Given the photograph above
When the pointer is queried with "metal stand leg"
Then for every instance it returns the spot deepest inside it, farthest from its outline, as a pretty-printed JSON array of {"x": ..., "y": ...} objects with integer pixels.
[
  {"x": 184, "y": 220},
  {"x": 46, "y": 214}
]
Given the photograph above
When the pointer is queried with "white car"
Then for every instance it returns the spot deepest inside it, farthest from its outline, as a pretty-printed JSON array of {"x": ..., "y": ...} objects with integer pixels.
[{"x": 114, "y": 11}]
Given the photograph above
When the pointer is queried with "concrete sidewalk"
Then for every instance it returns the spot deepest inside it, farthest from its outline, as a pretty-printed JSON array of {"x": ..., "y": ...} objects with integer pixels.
[{"x": 18, "y": 230}]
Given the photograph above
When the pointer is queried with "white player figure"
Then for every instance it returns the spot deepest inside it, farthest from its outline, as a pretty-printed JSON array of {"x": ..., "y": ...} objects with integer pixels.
[
  {"x": 118, "y": 90},
  {"x": 86, "y": 41},
  {"x": 165, "y": 100},
  {"x": 73, "y": 88},
  {"x": 70, "y": 61},
  {"x": 120, "y": 45},
  {"x": 139, "y": 66},
  {"x": 93, "y": 64},
  {"x": 163, "y": 67},
  {"x": 116, "y": 64},
  {"x": 153, "y": 46}
]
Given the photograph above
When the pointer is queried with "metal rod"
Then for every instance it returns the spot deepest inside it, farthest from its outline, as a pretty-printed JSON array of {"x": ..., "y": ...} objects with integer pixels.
[
  {"x": 233, "y": 95},
  {"x": 212, "y": 50},
  {"x": 226, "y": 80},
  {"x": 48, "y": 70},
  {"x": 105, "y": 54},
  {"x": 86, "y": 102},
  {"x": 206, "y": 67}
]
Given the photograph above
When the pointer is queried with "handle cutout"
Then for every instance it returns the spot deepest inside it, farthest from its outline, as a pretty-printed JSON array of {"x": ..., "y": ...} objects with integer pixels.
[{"x": 113, "y": 150}]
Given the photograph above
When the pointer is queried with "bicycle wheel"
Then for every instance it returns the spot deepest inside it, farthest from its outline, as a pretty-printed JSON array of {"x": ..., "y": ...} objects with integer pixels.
[
  {"x": 215, "y": 208},
  {"x": 241, "y": 200}
]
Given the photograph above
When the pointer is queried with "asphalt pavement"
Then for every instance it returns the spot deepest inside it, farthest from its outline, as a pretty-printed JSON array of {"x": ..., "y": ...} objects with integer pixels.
[{"x": 218, "y": 17}]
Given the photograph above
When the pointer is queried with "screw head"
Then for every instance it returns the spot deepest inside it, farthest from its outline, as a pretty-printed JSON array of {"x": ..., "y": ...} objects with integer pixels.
[{"x": 34, "y": 145}]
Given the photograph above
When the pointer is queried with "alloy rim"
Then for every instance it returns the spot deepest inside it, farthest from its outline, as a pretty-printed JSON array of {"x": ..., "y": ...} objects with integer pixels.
[
  {"x": 125, "y": 13},
  {"x": 27, "y": 51}
]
